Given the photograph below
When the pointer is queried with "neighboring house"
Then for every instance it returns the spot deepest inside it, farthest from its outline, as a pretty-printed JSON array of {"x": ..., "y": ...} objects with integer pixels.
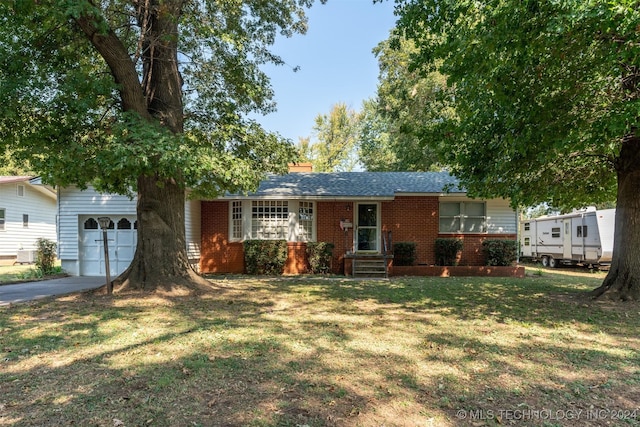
[
  {"x": 80, "y": 237},
  {"x": 355, "y": 211},
  {"x": 27, "y": 212}
]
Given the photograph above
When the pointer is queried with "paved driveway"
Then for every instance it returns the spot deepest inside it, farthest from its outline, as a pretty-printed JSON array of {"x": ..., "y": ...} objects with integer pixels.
[{"x": 45, "y": 288}]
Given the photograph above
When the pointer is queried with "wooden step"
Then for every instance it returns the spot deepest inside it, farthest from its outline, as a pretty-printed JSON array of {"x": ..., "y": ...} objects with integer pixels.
[{"x": 370, "y": 266}]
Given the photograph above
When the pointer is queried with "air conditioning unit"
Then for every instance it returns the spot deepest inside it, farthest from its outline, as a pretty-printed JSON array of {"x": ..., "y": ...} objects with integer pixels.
[{"x": 26, "y": 256}]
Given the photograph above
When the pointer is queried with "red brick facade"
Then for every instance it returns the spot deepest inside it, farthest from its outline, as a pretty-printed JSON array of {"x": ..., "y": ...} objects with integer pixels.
[
  {"x": 409, "y": 218},
  {"x": 217, "y": 253}
]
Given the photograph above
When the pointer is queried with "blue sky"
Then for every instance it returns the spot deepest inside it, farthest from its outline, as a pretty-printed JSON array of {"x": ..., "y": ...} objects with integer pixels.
[{"x": 335, "y": 60}]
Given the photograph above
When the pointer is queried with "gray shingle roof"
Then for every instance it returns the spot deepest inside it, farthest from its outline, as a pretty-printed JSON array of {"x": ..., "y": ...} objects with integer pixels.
[{"x": 355, "y": 184}]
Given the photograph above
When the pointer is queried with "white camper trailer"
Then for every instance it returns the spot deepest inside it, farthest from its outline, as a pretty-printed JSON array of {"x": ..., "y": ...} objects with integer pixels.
[{"x": 584, "y": 237}]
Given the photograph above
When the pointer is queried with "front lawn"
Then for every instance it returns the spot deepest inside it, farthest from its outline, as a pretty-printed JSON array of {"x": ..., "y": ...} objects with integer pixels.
[
  {"x": 327, "y": 352},
  {"x": 14, "y": 273}
]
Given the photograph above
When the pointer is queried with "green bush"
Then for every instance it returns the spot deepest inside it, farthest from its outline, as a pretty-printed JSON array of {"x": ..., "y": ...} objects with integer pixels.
[
  {"x": 404, "y": 253},
  {"x": 319, "y": 256},
  {"x": 499, "y": 252},
  {"x": 265, "y": 256},
  {"x": 46, "y": 255},
  {"x": 447, "y": 251}
]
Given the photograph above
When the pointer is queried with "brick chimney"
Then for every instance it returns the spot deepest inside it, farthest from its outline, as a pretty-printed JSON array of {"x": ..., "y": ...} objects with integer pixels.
[{"x": 300, "y": 167}]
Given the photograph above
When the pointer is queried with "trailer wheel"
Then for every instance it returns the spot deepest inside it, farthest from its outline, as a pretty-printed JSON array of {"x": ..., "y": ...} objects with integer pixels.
[
  {"x": 553, "y": 263},
  {"x": 545, "y": 261}
]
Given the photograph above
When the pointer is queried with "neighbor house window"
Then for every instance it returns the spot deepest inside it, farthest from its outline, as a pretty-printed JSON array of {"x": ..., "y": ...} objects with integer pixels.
[
  {"x": 236, "y": 220},
  {"x": 2, "y": 219},
  {"x": 269, "y": 219},
  {"x": 555, "y": 232},
  {"x": 25, "y": 221},
  {"x": 20, "y": 190},
  {"x": 462, "y": 217},
  {"x": 305, "y": 221}
]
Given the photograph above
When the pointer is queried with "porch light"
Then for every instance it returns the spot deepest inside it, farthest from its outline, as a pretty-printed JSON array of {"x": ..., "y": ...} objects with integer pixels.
[{"x": 104, "y": 222}]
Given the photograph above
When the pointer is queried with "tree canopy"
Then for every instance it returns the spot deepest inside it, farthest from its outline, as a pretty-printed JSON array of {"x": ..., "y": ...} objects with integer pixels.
[
  {"x": 401, "y": 128},
  {"x": 544, "y": 92},
  {"x": 68, "y": 101},
  {"x": 335, "y": 145},
  {"x": 144, "y": 96}
]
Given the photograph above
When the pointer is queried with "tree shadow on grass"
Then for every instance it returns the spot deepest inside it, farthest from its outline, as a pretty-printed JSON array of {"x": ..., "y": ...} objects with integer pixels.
[{"x": 304, "y": 353}]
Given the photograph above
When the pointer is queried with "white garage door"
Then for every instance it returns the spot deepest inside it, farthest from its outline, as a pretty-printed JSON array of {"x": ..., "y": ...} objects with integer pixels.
[{"x": 122, "y": 238}]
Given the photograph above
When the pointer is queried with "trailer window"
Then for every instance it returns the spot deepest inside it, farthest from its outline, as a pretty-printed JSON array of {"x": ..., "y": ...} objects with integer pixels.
[
  {"x": 527, "y": 241},
  {"x": 527, "y": 226},
  {"x": 555, "y": 232},
  {"x": 582, "y": 231}
]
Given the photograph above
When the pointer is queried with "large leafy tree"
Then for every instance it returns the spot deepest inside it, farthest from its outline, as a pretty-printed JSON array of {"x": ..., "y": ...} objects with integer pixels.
[
  {"x": 335, "y": 145},
  {"x": 375, "y": 148},
  {"x": 547, "y": 99},
  {"x": 148, "y": 97},
  {"x": 402, "y": 127}
]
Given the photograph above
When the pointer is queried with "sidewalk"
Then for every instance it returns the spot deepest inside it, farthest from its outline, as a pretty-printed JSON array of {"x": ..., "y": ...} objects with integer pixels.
[{"x": 21, "y": 292}]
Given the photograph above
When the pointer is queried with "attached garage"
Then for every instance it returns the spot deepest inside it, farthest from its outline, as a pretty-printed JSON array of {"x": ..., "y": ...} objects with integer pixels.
[
  {"x": 80, "y": 237},
  {"x": 121, "y": 239}
]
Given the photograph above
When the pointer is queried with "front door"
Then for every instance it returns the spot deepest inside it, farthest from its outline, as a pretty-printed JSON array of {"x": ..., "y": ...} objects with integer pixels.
[
  {"x": 567, "y": 241},
  {"x": 367, "y": 233}
]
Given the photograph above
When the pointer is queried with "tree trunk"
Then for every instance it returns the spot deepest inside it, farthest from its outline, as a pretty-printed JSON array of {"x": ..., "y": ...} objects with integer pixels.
[
  {"x": 160, "y": 261},
  {"x": 623, "y": 280}
]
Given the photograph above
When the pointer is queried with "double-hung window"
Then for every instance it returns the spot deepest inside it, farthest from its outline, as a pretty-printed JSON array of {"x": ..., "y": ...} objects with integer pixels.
[
  {"x": 305, "y": 222},
  {"x": 463, "y": 217},
  {"x": 2, "y": 219},
  {"x": 236, "y": 220}
]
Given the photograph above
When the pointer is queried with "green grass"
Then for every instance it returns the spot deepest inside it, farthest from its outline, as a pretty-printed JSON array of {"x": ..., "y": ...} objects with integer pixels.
[
  {"x": 24, "y": 272},
  {"x": 324, "y": 352},
  {"x": 13, "y": 273}
]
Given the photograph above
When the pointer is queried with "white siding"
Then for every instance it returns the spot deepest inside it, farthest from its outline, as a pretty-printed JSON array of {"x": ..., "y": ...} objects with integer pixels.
[
  {"x": 501, "y": 218},
  {"x": 192, "y": 230},
  {"x": 74, "y": 203},
  {"x": 41, "y": 208}
]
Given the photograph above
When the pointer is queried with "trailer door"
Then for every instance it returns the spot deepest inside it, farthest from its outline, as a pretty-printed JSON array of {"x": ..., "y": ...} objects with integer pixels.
[{"x": 566, "y": 241}]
